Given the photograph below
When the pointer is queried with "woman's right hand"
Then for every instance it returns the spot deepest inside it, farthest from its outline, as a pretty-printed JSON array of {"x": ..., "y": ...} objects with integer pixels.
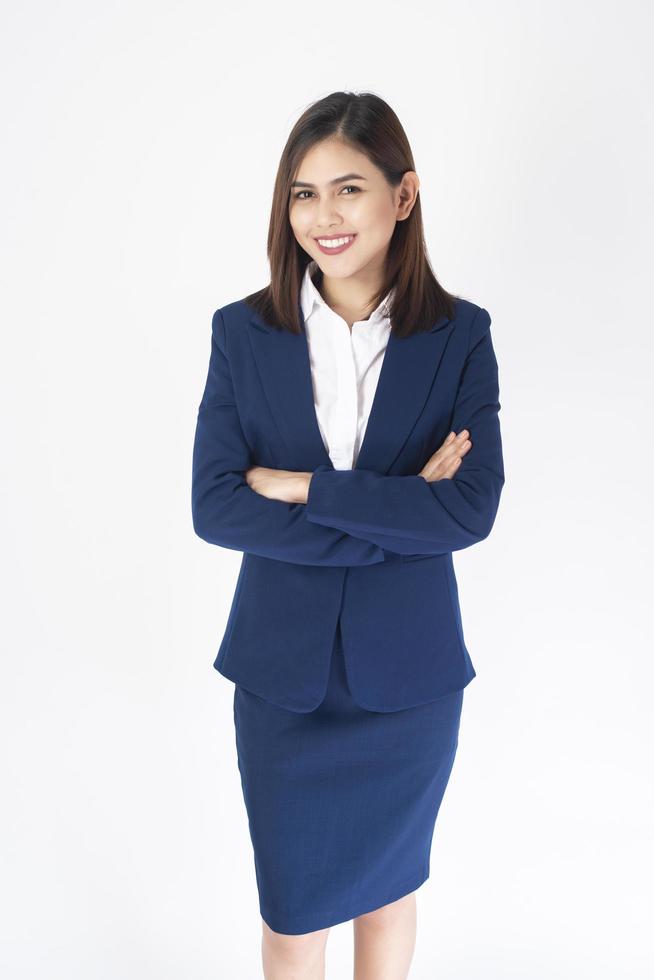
[{"x": 446, "y": 460}]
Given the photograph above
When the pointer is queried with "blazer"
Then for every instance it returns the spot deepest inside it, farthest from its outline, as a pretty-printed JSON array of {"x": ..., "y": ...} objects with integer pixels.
[{"x": 371, "y": 550}]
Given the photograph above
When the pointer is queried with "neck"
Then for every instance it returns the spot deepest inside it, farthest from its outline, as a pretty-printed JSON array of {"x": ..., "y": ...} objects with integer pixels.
[{"x": 350, "y": 297}]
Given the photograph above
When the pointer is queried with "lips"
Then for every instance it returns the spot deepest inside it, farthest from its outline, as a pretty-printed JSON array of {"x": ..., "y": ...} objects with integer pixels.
[{"x": 335, "y": 249}]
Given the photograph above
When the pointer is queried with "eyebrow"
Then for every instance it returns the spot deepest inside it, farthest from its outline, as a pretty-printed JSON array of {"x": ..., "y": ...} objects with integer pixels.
[{"x": 336, "y": 180}]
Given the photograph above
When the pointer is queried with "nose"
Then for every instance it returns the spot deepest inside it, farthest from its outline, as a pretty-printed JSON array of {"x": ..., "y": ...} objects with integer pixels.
[{"x": 327, "y": 217}]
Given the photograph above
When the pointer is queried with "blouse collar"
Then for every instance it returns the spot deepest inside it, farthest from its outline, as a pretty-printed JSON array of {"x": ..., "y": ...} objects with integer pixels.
[{"x": 311, "y": 299}]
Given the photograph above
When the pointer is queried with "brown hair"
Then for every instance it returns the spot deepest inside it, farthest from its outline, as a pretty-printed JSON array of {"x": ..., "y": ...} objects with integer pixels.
[{"x": 367, "y": 123}]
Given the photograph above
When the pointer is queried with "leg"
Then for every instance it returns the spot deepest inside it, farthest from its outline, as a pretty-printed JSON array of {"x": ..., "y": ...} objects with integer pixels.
[
  {"x": 384, "y": 941},
  {"x": 293, "y": 957}
]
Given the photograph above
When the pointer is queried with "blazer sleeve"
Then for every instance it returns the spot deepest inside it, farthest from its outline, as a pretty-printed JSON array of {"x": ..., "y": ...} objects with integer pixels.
[
  {"x": 409, "y": 514},
  {"x": 228, "y": 512}
]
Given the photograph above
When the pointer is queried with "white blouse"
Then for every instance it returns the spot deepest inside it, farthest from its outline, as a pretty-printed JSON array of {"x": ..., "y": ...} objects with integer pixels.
[{"x": 345, "y": 370}]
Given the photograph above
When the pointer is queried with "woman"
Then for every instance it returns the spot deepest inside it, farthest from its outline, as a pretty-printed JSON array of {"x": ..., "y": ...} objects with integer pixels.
[{"x": 347, "y": 443}]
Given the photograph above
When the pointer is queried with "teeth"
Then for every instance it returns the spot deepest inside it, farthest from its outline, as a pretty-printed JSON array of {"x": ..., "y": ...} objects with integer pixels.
[{"x": 335, "y": 242}]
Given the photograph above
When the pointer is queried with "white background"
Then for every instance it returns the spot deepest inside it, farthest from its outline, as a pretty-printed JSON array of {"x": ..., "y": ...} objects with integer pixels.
[{"x": 140, "y": 144}]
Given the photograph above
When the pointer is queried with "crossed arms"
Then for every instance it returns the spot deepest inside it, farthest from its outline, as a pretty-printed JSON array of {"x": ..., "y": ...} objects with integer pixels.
[{"x": 351, "y": 517}]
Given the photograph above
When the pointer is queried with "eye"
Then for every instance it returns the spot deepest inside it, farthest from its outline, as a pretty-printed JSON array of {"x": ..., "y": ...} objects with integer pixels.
[{"x": 348, "y": 187}]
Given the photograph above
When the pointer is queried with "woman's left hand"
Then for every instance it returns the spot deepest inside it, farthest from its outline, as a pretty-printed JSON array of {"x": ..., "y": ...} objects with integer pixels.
[{"x": 289, "y": 486}]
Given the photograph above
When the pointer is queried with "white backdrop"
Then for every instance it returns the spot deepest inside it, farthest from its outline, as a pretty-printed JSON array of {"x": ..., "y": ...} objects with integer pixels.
[{"x": 140, "y": 143}]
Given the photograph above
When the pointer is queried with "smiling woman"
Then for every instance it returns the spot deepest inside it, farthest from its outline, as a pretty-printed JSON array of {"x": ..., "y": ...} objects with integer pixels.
[
  {"x": 347, "y": 170},
  {"x": 348, "y": 442},
  {"x": 365, "y": 214}
]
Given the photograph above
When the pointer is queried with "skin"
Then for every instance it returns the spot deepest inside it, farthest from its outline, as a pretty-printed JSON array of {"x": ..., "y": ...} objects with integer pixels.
[{"x": 369, "y": 207}]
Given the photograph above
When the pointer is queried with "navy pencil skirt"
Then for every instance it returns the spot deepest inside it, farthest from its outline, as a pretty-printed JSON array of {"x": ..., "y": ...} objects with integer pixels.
[{"x": 341, "y": 801}]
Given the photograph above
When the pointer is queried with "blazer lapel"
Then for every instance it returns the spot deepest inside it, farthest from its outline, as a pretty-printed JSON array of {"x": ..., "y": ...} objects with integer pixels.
[
  {"x": 285, "y": 371},
  {"x": 407, "y": 374}
]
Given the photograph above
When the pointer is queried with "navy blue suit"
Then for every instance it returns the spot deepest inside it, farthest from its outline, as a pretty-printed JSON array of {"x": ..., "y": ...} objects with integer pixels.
[{"x": 371, "y": 549}]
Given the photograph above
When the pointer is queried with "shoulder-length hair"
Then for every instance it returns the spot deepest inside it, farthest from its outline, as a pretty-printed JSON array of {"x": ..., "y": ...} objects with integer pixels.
[{"x": 368, "y": 124}]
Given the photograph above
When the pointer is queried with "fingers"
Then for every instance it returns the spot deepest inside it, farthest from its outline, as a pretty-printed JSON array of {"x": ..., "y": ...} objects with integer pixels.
[
  {"x": 452, "y": 468},
  {"x": 446, "y": 470},
  {"x": 446, "y": 460},
  {"x": 457, "y": 440},
  {"x": 452, "y": 446}
]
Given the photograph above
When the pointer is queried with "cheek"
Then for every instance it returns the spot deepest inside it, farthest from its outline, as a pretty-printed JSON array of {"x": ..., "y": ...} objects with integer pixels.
[
  {"x": 377, "y": 221},
  {"x": 299, "y": 224}
]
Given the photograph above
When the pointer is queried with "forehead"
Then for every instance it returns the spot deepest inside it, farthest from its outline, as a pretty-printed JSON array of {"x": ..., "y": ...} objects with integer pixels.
[{"x": 331, "y": 160}]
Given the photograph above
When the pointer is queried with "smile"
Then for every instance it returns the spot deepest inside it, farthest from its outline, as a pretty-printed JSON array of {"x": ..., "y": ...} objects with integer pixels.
[{"x": 335, "y": 245}]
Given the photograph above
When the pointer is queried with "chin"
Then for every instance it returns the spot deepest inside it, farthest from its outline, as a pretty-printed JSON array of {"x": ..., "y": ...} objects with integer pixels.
[{"x": 340, "y": 270}]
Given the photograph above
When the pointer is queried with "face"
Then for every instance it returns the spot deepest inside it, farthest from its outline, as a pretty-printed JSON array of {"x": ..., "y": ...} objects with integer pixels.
[{"x": 339, "y": 193}]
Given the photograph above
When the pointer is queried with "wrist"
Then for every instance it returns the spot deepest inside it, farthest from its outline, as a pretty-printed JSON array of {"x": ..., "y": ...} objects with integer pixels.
[{"x": 304, "y": 486}]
